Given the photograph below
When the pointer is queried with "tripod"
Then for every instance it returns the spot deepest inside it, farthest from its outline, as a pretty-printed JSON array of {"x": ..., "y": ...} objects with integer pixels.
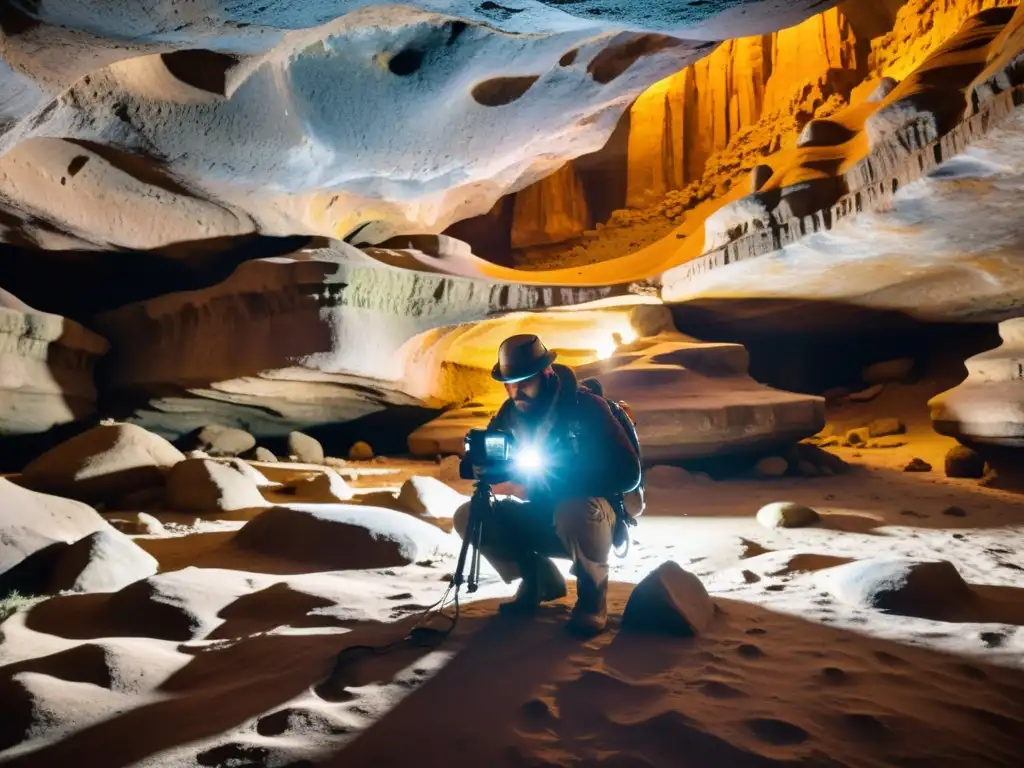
[{"x": 479, "y": 508}]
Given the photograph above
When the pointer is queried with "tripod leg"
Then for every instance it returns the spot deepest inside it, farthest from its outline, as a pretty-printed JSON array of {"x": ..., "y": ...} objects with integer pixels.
[{"x": 477, "y": 530}]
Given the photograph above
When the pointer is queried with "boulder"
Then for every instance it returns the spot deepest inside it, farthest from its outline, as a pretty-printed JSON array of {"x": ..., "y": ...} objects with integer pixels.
[
  {"x": 669, "y": 600},
  {"x": 430, "y": 498},
  {"x": 31, "y": 522},
  {"x": 666, "y": 476},
  {"x": 771, "y": 466},
  {"x": 343, "y": 537},
  {"x": 259, "y": 453},
  {"x": 218, "y": 440},
  {"x": 786, "y": 514},
  {"x": 858, "y": 436},
  {"x": 360, "y": 452},
  {"x": 909, "y": 587},
  {"x": 866, "y": 395},
  {"x": 917, "y": 465},
  {"x": 208, "y": 486},
  {"x": 141, "y": 524},
  {"x": 305, "y": 448},
  {"x": 899, "y": 370},
  {"x": 245, "y": 468},
  {"x": 104, "y": 561},
  {"x": 962, "y": 461},
  {"x": 106, "y": 462},
  {"x": 885, "y": 427},
  {"x": 326, "y": 487}
]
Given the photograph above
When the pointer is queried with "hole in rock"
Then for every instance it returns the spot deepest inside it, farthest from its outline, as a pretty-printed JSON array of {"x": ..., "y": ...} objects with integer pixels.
[
  {"x": 205, "y": 70},
  {"x": 405, "y": 63},
  {"x": 454, "y": 30},
  {"x": 617, "y": 58},
  {"x": 77, "y": 164},
  {"x": 502, "y": 90},
  {"x": 568, "y": 58}
]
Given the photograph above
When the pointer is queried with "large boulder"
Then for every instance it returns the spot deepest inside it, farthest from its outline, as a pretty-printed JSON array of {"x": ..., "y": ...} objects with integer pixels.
[
  {"x": 669, "y": 600},
  {"x": 103, "y": 464},
  {"x": 31, "y": 522},
  {"x": 430, "y": 497},
  {"x": 324, "y": 487},
  {"x": 104, "y": 561},
  {"x": 46, "y": 368},
  {"x": 340, "y": 537},
  {"x": 208, "y": 486},
  {"x": 909, "y": 587},
  {"x": 786, "y": 514},
  {"x": 218, "y": 440},
  {"x": 305, "y": 448}
]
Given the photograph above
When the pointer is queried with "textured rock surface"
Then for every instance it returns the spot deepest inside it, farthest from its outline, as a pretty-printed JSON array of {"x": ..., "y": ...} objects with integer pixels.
[
  {"x": 237, "y": 112},
  {"x": 430, "y": 497},
  {"x": 207, "y": 486},
  {"x": 103, "y": 464},
  {"x": 104, "y": 561},
  {"x": 670, "y": 601},
  {"x": 988, "y": 407},
  {"x": 689, "y": 399},
  {"x": 312, "y": 338},
  {"x": 46, "y": 368}
]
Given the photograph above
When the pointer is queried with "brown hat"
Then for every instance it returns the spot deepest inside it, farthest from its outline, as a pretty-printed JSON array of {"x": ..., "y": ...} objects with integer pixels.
[{"x": 520, "y": 357}]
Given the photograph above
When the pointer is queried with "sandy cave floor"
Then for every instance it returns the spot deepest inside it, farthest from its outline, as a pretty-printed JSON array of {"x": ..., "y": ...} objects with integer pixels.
[{"x": 229, "y": 663}]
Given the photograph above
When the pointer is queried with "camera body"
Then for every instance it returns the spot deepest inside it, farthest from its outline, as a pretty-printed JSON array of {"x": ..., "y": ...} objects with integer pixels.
[{"x": 489, "y": 453}]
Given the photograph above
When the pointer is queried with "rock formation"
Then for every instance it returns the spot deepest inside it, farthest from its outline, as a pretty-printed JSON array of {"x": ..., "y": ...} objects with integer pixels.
[
  {"x": 689, "y": 399},
  {"x": 46, "y": 368},
  {"x": 988, "y": 407}
]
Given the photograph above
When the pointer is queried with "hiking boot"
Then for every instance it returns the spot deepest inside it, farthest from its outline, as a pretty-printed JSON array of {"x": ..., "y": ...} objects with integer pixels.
[
  {"x": 590, "y": 614},
  {"x": 585, "y": 623},
  {"x": 541, "y": 583}
]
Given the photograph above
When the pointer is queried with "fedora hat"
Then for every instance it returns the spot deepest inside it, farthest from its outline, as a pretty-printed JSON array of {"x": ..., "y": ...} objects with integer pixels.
[{"x": 520, "y": 357}]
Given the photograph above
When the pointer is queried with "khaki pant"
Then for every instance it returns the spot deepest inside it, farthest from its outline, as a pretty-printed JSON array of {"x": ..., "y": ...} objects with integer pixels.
[{"x": 520, "y": 531}]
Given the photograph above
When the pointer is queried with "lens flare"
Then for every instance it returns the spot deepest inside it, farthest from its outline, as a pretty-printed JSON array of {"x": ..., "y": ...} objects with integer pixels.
[
  {"x": 606, "y": 348},
  {"x": 528, "y": 458}
]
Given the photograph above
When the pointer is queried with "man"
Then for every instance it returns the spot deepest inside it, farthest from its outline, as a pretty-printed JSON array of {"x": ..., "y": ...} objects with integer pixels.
[{"x": 585, "y": 459}]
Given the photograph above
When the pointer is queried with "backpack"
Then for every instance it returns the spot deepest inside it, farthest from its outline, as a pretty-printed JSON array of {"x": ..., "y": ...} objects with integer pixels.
[{"x": 630, "y": 504}]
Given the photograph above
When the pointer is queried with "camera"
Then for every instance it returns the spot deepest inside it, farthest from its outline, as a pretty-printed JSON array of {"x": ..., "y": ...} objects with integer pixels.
[{"x": 494, "y": 455}]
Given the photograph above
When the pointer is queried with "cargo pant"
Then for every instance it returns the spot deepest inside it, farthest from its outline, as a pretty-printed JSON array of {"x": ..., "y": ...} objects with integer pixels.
[{"x": 518, "y": 532}]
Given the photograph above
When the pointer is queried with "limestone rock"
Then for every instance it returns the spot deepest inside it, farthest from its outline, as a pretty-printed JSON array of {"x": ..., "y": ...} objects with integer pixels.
[
  {"x": 246, "y": 469},
  {"x": 343, "y": 537},
  {"x": 305, "y": 448},
  {"x": 430, "y": 498},
  {"x": 259, "y": 453},
  {"x": 669, "y": 600},
  {"x": 140, "y": 524},
  {"x": 550, "y": 210},
  {"x": 448, "y": 470},
  {"x": 32, "y": 521},
  {"x": 899, "y": 370},
  {"x": 46, "y": 368},
  {"x": 218, "y": 440},
  {"x": 962, "y": 461},
  {"x": 689, "y": 399},
  {"x": 771, "y": 466},
  {"x": 917, "y": 465},
  {"x": 104, "y": 463},
  {"x": 885, "y": 86},
  {"x": 886, "y": 427},
  {"x": 207, "y": 486},
  {"x": 867, "y": 395},
  {"x": 988, "y": 407},
  {"x": 922, "y": 588},
  {"x": 360, "y": 451},
  {"x": 786, "y": 514},
  {"x": 325, "y": 487},
  {"x": 823, "y": 133},
  {"x": 759, "y": 176},
  {"x": 104, "y": 561}
]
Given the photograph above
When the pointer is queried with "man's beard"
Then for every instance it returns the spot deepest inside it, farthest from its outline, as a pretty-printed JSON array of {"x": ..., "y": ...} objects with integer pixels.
[{"x": 524, "y": 403}]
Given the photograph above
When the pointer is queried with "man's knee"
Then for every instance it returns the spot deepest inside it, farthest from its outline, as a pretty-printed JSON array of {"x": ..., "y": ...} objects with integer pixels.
[{"x": 461, "y": 519}]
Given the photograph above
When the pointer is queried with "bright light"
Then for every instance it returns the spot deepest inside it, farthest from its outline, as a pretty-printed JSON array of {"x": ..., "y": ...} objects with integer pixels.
[
  {"x": 628, "y": 336},
  {"x": 606, "y": 348},
  {"x": 529, "y": 459}
]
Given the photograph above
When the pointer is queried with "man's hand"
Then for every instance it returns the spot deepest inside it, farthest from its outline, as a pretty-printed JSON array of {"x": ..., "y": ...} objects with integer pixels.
[{"x": 511, "y": 489}]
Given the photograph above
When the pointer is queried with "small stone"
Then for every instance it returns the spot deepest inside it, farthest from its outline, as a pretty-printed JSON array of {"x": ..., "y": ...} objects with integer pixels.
[
  {"x": 866, "y": 395},
  {"x": 360, "y": 452},
  {"x": 884, "y": 427},
  {"x": 218, "y": 440},
  {"x": 858, "y": 436},
  {"x": 962, "y": 461},
  {"x": 786, "y": 514},
  {"x": 669, "y": 600},
  {"x": 899, "y": 370},
  {"x": 917, "y": 465},
  {"x": 263, "y": 454},
  {"x": 771, "y": 466},
  {"x": 807, "y": 469},
  {"x": 305, "y": 448}
]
